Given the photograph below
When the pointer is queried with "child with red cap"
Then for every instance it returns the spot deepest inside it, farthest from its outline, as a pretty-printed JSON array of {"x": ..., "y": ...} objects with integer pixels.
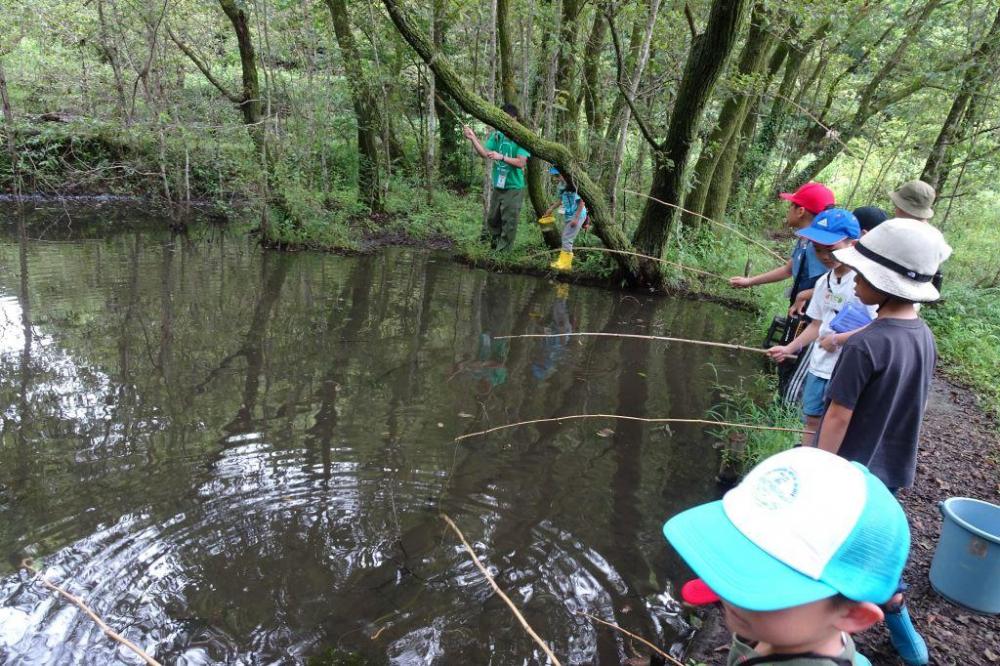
[
  {"x": 800, "y": 555},
  {"x": 804, "y": 266}
]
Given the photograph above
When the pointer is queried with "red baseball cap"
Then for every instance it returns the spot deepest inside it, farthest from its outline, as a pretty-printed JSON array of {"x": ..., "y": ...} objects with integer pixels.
[
  {"x": 697, "y": 593},
  {"x": 814, "y": 197}
]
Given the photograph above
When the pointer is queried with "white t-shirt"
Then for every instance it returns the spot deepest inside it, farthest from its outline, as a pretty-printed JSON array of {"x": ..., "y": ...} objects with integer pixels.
[{"x": 829, "y": 296}]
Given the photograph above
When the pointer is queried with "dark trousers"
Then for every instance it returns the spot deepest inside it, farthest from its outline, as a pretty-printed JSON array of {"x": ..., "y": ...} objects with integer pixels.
[{"x": 500, "y": 226}]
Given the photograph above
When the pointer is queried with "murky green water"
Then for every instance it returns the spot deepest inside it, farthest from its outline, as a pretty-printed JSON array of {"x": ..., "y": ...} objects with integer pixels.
[{"x": 240, "y": 457}]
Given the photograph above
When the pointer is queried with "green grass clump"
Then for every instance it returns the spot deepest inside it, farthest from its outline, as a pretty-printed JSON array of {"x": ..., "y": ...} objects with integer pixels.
[
  {"x": 754, "y": 401},
  {"x": 966, "y": 326}
]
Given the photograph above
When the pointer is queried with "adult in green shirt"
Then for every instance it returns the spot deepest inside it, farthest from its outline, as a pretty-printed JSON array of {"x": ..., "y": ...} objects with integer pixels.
[{"x": 509, "y": 161}]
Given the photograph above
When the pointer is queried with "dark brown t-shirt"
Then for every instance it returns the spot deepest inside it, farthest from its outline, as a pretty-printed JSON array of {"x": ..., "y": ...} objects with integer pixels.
[{"x": 884, "y": 375}]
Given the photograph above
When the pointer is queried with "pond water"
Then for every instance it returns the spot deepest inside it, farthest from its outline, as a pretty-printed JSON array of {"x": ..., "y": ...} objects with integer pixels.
[{"x": 240, "y": 457}]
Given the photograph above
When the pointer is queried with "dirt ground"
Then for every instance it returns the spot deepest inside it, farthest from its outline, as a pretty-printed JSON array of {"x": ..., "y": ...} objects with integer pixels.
[{"x": 959, "y": 457}]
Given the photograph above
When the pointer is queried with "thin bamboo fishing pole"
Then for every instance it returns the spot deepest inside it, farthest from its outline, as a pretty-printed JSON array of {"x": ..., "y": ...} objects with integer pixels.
[
  {"x": 76, "y": 601},
  {"x": 661, "y": 338},
  {"x": 572, "y": 417},
  {"x": 450, "y": 110},
  {"x": 500, "y": 593},
  {"x": 721, "y": 224},
  {"x": 830, "y": 132},
  {"x": 632, "y": 254},
  {"x": 642, "y": 640}
]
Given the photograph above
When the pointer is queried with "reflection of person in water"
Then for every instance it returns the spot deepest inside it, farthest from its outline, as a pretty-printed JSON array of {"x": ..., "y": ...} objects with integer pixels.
[
  {"x": 551, "y": 350},
  {"x": 489, "y": 367}
]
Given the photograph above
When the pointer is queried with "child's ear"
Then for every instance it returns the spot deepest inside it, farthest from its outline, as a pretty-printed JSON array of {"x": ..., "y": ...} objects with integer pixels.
[{"x": 859, "y": 616}]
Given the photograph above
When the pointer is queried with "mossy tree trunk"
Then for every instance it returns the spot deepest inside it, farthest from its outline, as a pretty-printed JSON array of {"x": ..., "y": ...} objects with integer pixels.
[
  {"x": 365, "y": 110},
  {"x": 592, "y": 95},
  {"x": 705, "y": 62},
  {"x": 450, "y": 162},
  {"x": 939, "y": 160},
  {"x": 8, "y": 119},
  {"x": 566, "y": 76},
  {"x": 508, "y": 89},
  {"x": 724, "y": 137},
  {"x": 774, "y": 123}
]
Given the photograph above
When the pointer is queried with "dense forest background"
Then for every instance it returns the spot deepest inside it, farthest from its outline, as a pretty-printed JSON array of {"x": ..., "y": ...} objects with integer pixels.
[{"x": 327, "y": 122}]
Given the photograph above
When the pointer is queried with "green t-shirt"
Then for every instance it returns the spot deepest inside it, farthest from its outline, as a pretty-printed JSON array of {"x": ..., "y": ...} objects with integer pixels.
[
  {"x": 506, "y": 177},
  {"x": 741, "y": 653}
]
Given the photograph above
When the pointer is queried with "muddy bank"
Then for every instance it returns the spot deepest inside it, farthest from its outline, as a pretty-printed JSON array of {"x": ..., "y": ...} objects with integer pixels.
[{"x": 959, "y": 457}]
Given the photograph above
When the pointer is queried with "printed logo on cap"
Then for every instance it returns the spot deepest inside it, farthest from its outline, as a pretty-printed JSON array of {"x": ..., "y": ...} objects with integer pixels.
[{"x": 777, "y": 488}]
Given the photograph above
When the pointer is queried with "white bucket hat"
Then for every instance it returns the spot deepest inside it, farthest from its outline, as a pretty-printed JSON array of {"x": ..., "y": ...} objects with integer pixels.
[{"x": 899, "y": 257}]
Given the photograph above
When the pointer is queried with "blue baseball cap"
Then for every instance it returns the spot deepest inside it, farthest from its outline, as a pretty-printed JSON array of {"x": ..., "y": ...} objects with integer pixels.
[
  {"x": 802, "y": 526},
  {"x": 553, "y": 171},
  {"x": 832, "y": 226}
]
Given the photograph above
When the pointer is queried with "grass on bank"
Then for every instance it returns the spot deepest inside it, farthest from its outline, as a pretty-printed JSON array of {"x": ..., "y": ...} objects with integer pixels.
[{"x": 754, "y": 401}]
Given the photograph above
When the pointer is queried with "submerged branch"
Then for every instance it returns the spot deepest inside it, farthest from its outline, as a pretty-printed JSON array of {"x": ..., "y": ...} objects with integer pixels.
[
  {"x": 642, "y": 640},
  {"x": 499, "y": 592},
  {"x": 76, "y": 601}
]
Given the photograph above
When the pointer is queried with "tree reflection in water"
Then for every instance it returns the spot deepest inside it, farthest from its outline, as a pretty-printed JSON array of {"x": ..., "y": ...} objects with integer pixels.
[{"x": 240, "y": 456}]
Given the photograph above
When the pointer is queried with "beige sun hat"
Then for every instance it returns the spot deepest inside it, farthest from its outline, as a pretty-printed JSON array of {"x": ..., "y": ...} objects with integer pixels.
[
  {"x": 899, "y": 257},
  {"x": 916, "y": 198}
]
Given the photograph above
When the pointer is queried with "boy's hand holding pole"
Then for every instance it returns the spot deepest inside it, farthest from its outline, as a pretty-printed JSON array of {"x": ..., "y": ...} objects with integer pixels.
[{"x": 781, "y": 353}]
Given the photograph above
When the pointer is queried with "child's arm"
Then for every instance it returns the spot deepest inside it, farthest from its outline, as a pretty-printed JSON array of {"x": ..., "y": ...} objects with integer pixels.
[
  {"x": 470, "y": 134},
  {"x": 835, "y": 422},
  {"x": 801, "y": 299},
  {"x": 834, "y": 340},
  {"x": 775, "y": 275},
  {"x": 548, "y": 211},
  {"x": 780, "y": 352},
  {"x": 575, "y": 222},
  {"x": 846, "y": 388},
  {"x": 519, "y": 162}
]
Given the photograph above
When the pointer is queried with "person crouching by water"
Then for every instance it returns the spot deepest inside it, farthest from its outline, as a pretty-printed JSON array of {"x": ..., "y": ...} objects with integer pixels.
[
  {"x": 574, "y": 216},
  {"x": 509, "y": 162}
]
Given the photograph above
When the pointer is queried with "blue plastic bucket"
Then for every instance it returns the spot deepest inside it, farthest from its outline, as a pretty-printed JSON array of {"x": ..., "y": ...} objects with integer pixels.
[{"x": 966, "y": 565}]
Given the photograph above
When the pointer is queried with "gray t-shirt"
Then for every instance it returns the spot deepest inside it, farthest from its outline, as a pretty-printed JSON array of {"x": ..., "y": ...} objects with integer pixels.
[{"x": 884, "y": 374}]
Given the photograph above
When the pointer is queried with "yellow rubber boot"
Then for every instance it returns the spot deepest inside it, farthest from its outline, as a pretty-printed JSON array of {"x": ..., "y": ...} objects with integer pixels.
[{"x": 564, "y": 262}]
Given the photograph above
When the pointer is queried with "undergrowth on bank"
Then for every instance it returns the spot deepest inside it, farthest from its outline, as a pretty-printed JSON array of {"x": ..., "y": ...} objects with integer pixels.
[{"x": 753, "y": 401}]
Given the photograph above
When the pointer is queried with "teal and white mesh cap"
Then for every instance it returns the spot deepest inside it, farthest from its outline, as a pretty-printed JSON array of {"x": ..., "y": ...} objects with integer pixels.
[{"x": 803, "y": 525}]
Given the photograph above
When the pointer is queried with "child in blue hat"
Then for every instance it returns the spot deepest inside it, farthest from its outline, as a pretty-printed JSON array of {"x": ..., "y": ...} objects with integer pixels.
[
  {"x": 800, "y": 555},
  {"x": 835, "y": 311},
  {"x": 574, "y": 216}
]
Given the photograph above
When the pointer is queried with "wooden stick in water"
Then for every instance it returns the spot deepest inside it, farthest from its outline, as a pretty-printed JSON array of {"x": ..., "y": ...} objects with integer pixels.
[
  {"x": 499, "y": 592},
  {"x": 660, "y": 338},
  {"x": 642, "y": 640},
  {"x": 721, "y": 224},
  {"x": 572, "y": 417},
  {"x": 76, "y": 601}
]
